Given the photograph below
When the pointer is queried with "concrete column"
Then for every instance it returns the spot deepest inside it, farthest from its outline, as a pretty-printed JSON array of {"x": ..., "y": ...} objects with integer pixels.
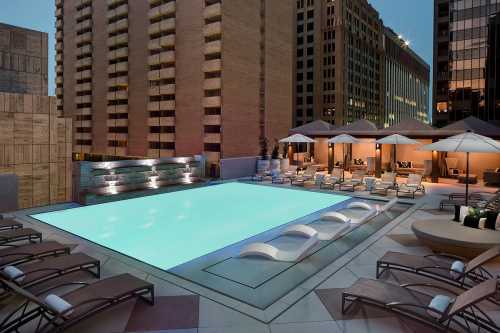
[
  {"x": 290, "y": 153},
  {"x": 378, "y": 160},
  {"x": 435, "y": 165},
  {"x": 331, "y": 151}
]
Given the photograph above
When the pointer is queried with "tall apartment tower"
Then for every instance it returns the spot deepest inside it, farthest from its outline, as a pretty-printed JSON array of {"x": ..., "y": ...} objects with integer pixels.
[
  {"x": 23, "y": 60},
  {"x": 163, "y": 78},
  {"x": 493, "y": 70},
  {"x": 339, "y": 62},
  {"x": 460, "y": 58},
  {"x": 406, "y": 82}
]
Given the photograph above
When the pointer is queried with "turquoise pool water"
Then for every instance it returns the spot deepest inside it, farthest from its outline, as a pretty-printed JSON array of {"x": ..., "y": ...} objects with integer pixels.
[{"x": 169, "y": 229}]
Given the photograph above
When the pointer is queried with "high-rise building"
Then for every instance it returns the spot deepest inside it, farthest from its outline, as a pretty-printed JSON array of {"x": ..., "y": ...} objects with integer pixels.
[
  {"x": 23, "y": 60},
  {"x": 339, "y": 62},
  {"x": 493, "y": 70},
  {"x": 460, "y": 57},
  {"x": 164, "y": 78},
  {"x": 406, "y": 82}
]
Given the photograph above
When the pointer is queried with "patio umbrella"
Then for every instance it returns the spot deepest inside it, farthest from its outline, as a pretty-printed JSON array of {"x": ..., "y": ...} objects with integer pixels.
[
  {"x": 396, "y": 139},
  {"x": 465, "y": 143},
  {"x": 343, "y": 138},
  {"x": 297, "y": 138}
]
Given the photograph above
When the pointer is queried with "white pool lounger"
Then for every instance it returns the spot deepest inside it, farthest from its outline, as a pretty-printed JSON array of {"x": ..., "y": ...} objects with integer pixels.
[
  {"x": 302, "y": 229},
  {"x": 271, "y": 252},
  {"x": 371, "y": 210}
]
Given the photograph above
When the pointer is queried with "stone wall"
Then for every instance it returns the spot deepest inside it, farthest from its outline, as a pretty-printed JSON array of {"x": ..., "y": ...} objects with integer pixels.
[{"x": 35, "y": 144}]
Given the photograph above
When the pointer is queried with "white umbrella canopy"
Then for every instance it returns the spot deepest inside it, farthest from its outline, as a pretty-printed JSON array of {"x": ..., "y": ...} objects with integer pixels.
[
  {"x": 465, "y": 143},
  {"x": 343, "y": 138},
  {"x": 397, "y": 139},
  {"x": 297, "y": 138}
]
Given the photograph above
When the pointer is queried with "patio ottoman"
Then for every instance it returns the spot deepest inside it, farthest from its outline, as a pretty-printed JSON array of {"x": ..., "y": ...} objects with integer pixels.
[{"x": 447, "y": 236}]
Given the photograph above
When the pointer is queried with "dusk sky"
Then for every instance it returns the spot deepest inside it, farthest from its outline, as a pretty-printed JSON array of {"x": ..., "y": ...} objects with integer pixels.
[{"x": 410, "y": 18}]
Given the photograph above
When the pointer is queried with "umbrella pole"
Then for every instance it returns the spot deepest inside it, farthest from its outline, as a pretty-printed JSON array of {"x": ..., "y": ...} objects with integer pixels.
[{"x": 467, "y": 181}]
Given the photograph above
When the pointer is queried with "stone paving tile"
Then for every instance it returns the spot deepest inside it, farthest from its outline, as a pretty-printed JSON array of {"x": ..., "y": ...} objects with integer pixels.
[
  {"x": 313, "y": 327},
  {"x": 309, "y": 309}
]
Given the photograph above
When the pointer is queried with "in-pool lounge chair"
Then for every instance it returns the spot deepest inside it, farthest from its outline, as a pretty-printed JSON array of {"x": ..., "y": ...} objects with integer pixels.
[
  {"x": 271, "y": 252},
  {"x": 358, "y": 212},
  {"x": 335, "y": 178},
  {"x": 32, "y": 274},
  {"x": 413, "y": 184},
  {"x": 438, "y": 310},
  {"x": 350, "y": 184},
  {"x": 386, "y": 183},
  {"x": 9, "y": 224},
  {"x": 333, "y": 230},
  {"x": 15, "y": 255},
  {"x": 20, "y": 234},
  {"x": 443, "y": 267},
  {"x": 56, "y": 313}
]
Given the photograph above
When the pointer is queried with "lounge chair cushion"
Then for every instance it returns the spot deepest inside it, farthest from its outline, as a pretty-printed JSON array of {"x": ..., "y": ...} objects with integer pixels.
[
  {"x": 58, "y": 304},
  {"x": 457, "y": 269},
  {"x": 464, "y": 211},
  {"x": 439, "y": 303},
  {"x": 13, "y": 273}
]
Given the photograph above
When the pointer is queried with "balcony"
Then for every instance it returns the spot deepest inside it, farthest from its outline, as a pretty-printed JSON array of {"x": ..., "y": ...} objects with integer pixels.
[
  {"x": 59, "y": 102},
  {"x": 59, "y": 46},
  {"x": 59, "y": 80},
  {"x": 59, "y": 35},
  {"x": 83, "y": 111},
  {"x": 162, "y": 42},
  {"x": 59, "y": 91},
  {"x": 119, "y": 67},
  {"x": 118, "y": 136},
  {"x": 212, "y": 138},
  {"x": 165, "y": 57},
  {"x": 87, "y": 11},
  {"x": 59, "y": 69},
  {"x": 83, "y": 63},
  {"x": 117, "y": 122},
  {"x": 212, "y": 66},
  {"x": 167, "y": 137},
  {"x": 212, "y": 29},
  {"x": 59, "y": 3},
  {"x": 87, "y": 74},
  {"x": 212, "y": 120},
  {"x": 212, "y": 11},
  {"x": 84, "y": 25},
  {"x": 114, "y": 2},
  {"x": 120, "y": 81},
  {"x": 119, "y": 53},
  {"x": 59, "y": 57},
  {"x": 168, "y": 89},
  {"x": 83, "y": 136},
  {"x": 118, "y": 40},
  {"x": 165, "y": 9},
  {"x": 86, "y": 49},
  {"x": 118, "y": 25},
  {"x": 212, "y": 102},
  {"x": 165, "y": 25},
  {"x": 213, "y": 47},
  {"x": 117, "y": 108},
  {"x": 83, "y": 87},
  {"x": 117, "y": 95},
  {"x": 212, "y": 84},
  {"x": 118, "y": 11},
  {"x": 165, "y": 73},
  {"x": 162, "y": 105},
  {"x": 86, "y": 37},
  {"x": 59, "y": 12},
  {"x": 59, "y": 23},
  {"x": 83, "y": 99}
]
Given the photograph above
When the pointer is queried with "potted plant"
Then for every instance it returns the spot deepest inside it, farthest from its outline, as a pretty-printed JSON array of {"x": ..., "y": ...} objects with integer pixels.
[
  {"x": 263, "y": 164},
  {"x": 275, "y": 159}
]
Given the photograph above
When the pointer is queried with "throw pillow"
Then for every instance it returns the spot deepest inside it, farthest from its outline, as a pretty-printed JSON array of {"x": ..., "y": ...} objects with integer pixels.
[
  {"x": 497, "y": 170},
  {"x": 410, "y": 164},
  {"x": 497, "y": 227},
  {"x": 471, "y": 221},
  {"x": 464, "y": 211},
  {"x": 399, "y": 163},
  {"x": 491, "y": 219},
  {"x": 456, "y": 218},
  {"x": 482, "y": 223}
]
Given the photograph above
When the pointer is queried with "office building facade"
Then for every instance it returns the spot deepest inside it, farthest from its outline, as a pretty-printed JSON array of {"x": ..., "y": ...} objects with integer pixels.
[
  {"x": 460, "y": 59},
  {"x": 406, "y": 82},
  {"x": 339, "y": 62},
  {"x": 23, "y": 60},
  {"x": 162, "y": 78},
  {"x": 493, "y": 70}
]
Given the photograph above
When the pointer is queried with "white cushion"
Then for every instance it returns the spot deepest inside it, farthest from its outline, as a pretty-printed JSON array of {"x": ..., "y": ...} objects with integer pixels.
[
  {"x": 497, "y": 223},
  {"x": 464, "y": 211},
  {"x": 439, "y": 303},
  {"x": 482, "y": 222},
  {"x": 457, "y": 269},
  {"x": 13, "y": 273},
  {"x": 58, "y": 304}
]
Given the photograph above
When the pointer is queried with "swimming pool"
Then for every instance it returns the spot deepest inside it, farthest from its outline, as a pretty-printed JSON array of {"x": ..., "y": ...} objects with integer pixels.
[{"x": 170, "y": 229}]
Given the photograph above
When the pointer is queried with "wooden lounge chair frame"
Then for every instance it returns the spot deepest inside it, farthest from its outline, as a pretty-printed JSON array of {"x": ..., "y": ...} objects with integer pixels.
[
  {"x": 464, "y": 306},
  {"x": 58, "y": 322},
  {"x": 9, "y": 224},
  {"x": 352, "y": 183},
  {"x": 386, "y": 183},
  {"x": 474, "y": 272},
  {"x": 474, "y": 201},
  {"x": 10, "y": 236},
  {"x": 88, "y": 264},
  {"x": 21, "y": 253}
]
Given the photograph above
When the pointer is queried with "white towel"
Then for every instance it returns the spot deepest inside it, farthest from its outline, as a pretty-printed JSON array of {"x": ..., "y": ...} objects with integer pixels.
[
  {"x": 457, "y": 269},
  {"x": 58, "y": 304},
  {"x": 13, "y": 273},
  {"x": 439, "y": 303}
]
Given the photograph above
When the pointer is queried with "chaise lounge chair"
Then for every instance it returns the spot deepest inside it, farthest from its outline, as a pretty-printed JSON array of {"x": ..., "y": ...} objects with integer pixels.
[
  {"x": 16, "y": 255},
  {"x": 9, "y": 224},
  {"x": 335, "y": 178},
  {"x": 440, "y": 311},
  {"x": 20, "y": 234},
  {"x": 57, "y": 313},
  {"x": 413, "y": 184},
  {"x": 358, "y": 212},
  {"x": 271, "y": 252},
  {"x": 386, "y": 183},
  {"x": 31, "y": 274},
  {"x": 334, "y": 230},
  {"x": 479, "y": 201},
  {"x": 442, "y": 267},
  {"x": 350, "y": 184},
  {"x": 307, "y": 176}
]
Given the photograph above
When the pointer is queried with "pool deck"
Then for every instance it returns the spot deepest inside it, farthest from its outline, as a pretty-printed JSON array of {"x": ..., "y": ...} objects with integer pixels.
[{"x": 301, "y": 310}]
